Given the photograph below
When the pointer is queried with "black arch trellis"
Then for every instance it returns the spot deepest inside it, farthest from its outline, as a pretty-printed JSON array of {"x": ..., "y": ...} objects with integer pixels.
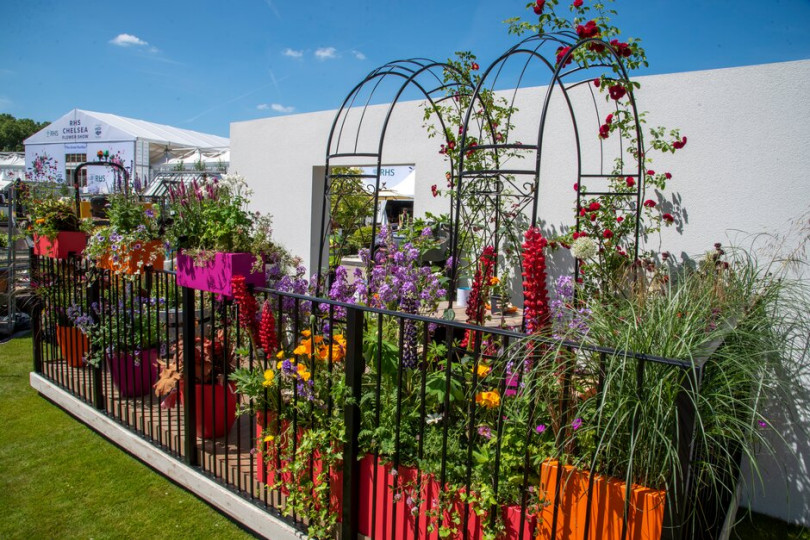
[
  {"x": 119, "y": 169},
  {"x": 520, "y": 186},
  {"x": 425, "y": 75}
]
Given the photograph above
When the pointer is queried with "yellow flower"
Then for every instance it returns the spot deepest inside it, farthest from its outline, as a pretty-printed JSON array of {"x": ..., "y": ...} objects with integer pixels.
[
  {"x": 490, "y": 400},
  {"x": 483, "y": 371},
  {"x": 303, "y": 373},
  {"x": 338, "y": 338},
  {"x": 280, "y": 355},
  {"x": 494, "y": 280},
  {"x": 269, "y": 438},
  {"x": 306, "y": 333},
  {"x": 269, "y": 375},
  {"x": 305, "y": 347}
]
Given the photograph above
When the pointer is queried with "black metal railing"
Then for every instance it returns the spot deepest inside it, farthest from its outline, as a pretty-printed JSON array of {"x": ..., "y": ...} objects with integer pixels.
[{"x": 368, "y": 421}]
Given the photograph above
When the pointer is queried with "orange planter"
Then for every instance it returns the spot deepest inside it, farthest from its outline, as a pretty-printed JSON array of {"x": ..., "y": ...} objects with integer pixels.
[
  {"x": 646, "y": 513},
  {"x": 73, "y": 344},
  {"x": 128, "y": 262}
]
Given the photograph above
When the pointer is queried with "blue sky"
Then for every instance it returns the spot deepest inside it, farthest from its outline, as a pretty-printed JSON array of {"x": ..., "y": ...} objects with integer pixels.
[{"x": 201, "y": 64}]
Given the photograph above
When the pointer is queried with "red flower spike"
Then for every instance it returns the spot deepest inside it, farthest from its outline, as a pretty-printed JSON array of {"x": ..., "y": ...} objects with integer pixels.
[
  {"x": 535, "y": 304},
  {"x": 267, "y": 331},
  {"x": 248, "y": 308},
  {"x": 476, "y": 303}
]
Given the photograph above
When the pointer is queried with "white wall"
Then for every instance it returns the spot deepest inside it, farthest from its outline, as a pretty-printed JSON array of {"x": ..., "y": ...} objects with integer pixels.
[{"x": 745, "y": 168}]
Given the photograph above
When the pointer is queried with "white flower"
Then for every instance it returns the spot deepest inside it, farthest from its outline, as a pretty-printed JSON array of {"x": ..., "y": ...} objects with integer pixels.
[{"x": 583, "y": 248}]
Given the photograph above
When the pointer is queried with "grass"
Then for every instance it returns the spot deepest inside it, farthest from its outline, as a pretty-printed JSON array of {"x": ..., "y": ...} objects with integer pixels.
[{"x": 60, "y": 479}]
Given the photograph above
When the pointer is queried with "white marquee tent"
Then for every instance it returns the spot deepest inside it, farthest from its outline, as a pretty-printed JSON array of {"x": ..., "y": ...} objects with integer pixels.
[{"x": 140, "y": 146}]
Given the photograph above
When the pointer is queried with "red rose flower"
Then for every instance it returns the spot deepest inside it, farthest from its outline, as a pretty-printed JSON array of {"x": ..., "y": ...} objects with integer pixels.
[
  {"x": 434, "y": 190},
  {"x": 619, "y": 219},
  {"x": 651, "y": 173},
  {"x": 593, "y": 217},
  {"x": 597, "y": 83},
  {"x": 451, "y": 145},
  {"x": 668, "y": 218},
  {"x": 617, "y": 92},
  {"x": 561, "y": 52},
  {"x": 622, "y": 49},
  {"x": 668, "y": 176},
  {"x": 538, "y": 7},
  {"x": 576, "y": 186},
  {"x": 582, "y": 212},
  {"x": 608, "y": 234},
  {"x": 588, "y": 30},
  {"x": 649, "y": 203},
  {"x": 609, "y": 119},
  {"x": 679, "y": 144},
  {"x": 594, "y": 206},
  {"x": 604, "y": 131},
  {"x": 474, "y": 66},
  {"x": 577, "y": 3},
  {"x": 630, "y": 181}
]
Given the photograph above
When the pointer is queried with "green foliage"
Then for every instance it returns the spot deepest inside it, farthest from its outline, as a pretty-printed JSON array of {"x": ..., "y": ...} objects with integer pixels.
[
  {"x": 13, "y": 131},
  {"x": 350, "y": 207}
]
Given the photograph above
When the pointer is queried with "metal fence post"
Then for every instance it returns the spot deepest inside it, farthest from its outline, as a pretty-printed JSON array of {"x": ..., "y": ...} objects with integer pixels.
[
  {"x": 36, "y": 309},
  {"x": 355, "y": 365},
  {"x": 94, "y": 299},
  {"x": 189, "y": 379}
]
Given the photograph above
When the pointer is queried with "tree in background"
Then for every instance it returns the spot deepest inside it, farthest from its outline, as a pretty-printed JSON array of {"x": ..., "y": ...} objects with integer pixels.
[{"x": 13, "y": 131}]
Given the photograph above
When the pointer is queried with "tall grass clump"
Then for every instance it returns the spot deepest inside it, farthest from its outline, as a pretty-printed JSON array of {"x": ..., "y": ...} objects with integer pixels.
[{"x": 739, "y": 323}]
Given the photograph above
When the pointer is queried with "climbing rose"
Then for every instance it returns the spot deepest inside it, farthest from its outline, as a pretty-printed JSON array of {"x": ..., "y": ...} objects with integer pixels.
[
  {"x": 608, "y": 234},
  {"x": 649, "y": 203},
  {"x": 588, "y": 30},
  {"x": 679, "y": 144},
  {"x": 474, "y": 66},
  {"x": 668, "y": 218},
  {"x": 538, "y": 7},
  {"x": 617, "y": 92},
  {"x": 434, "y": 190},
  {"x": 594, "y": 206},
  {"x": 597, "y": 83},
  {"x": 630, "y": 181},
  {"x": 651, "y": 173},
  {"x": 668, "y": 176},
  {"x": 561, "y": 52},
  {"x": 577, "y": 3}
]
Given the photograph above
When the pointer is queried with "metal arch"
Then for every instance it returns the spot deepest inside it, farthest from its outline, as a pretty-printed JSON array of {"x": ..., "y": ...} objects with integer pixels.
[
  {"x": 409, "y": 70},
  {"x": 81, "y": 166},
  {"x": 531, "y": 46}
]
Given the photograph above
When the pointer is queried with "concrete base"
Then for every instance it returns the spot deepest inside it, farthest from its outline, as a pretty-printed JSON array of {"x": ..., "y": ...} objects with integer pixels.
[{"x": 228, "y": 502}]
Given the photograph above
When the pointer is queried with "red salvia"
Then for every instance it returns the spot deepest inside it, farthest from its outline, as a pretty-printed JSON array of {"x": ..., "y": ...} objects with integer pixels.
[
  {"x": 267, "y": 330},
  {"x": 535, "y": 294}
]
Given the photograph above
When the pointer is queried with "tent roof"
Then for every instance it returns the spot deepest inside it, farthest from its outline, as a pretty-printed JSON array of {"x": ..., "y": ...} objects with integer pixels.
[{"x": 141, "y": 129}]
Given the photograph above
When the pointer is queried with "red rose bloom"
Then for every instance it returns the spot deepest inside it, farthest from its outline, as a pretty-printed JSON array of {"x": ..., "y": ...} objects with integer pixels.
[
  {"x": 597, "y": 83},
  {"x": 619, "y": 219},
  {"x": 622, "y": 49},
  {"x": 434, "y": 190},
  {"x": 474, "y": 66},
  {"x": 668, "y": 176},
  {"x": 668, "y": 218},
  {"x": 630, "y": 181},
  {"x": 651, "y": 173},
  {"x": 594, "y": 206},
  {"x": 451, "y": 145},
  {"x": 649, "y": 203},
  {"x": 588, "y": 30},
  {"x": 679, "y": 144},
  {"x": 576, "y": 186},
  {"x": 561, "y": 52},
  {"x": 609, "y": 119},
  {"x": 538, "y": 7},
  {"x": 617, "y": 92},
  {"x": 608, "y": 234},
  {"x": 577, "y": 3},
  {"x": 604, "y": 131}
]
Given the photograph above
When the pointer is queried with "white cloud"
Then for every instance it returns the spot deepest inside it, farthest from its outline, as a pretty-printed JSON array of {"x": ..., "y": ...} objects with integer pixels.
[
  {"x": 281, "y": 108},
  {"x": 326, "y": 53},
  {"x": 128, "y": 40},
  {"x": 359, "y": 55},
  {"x": 292, "y": 53},
  {"x": 262, "y": 106}
]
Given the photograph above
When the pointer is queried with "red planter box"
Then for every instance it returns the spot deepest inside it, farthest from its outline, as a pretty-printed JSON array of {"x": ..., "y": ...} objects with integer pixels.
[
  {"x": 133, "y": 379},
  {"x": 215, "y": 275},
  {"x": 73, "y": 344},
  {"x": 607, "y": 507},
  {"x": 213, "y": 424},
  {"x": 65, "y": 243}
]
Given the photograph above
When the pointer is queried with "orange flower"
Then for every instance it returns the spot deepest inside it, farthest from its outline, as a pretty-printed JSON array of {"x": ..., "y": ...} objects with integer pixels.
[
  {"x": 490, "y": 400},
  {"x": 303, "y": 373},
  {"x": 483, "y": 371},
  {"x": 40, "y": 221},
  {"x": 494, "y": 280}
]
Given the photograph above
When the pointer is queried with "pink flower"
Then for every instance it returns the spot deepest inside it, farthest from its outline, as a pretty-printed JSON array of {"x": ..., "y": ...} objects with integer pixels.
[
  {"x": 576, "y": 424},
  {"x": 542, "y": 427}
]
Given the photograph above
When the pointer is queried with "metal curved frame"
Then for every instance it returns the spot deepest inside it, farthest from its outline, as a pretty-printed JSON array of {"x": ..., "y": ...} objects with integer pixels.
[
  {"x": 409, "y": 71},
  {"x": 88, "y": 164},
  {"x": 528, "y": 192}
]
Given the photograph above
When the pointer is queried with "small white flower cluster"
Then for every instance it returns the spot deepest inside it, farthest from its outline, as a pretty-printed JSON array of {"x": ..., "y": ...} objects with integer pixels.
[{"x": 583, "y": 248}]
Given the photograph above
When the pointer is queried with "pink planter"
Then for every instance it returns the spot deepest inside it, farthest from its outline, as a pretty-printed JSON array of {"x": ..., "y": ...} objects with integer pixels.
[
  {"x": 213, "y": 420},
  {"x": 133, "y": 379},
  {"x": 61, "y": 246},
  {"x": 215, "y": 275}
]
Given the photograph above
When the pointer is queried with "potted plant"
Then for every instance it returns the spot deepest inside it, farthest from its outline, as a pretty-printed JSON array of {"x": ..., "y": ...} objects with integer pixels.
[
  {"x": 130, "y": 242},
  {"x": 55, "y": 226},
  {"x": 216, "y": 236},
  {"x": 215, "y": 400}
]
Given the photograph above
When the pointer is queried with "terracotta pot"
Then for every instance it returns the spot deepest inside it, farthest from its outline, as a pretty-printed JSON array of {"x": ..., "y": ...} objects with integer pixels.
[
  {"x": 64, "y": 244},
  {"x": 130, "y": 378},
  {"x": 607, "y": 507},
  {"x": 73, "y": 344},
  {"x": 134, "y": 256},
  {"x": 216, "y": 274}
]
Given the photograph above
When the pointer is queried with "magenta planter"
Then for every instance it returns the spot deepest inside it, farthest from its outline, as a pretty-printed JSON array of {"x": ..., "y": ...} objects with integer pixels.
[
  {"x": 216, "y": 274},
  {"x": 133, "y": 379}
]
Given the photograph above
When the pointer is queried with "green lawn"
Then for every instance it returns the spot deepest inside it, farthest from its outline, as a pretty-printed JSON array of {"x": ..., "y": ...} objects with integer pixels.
[{"x": 59, "y": 479}]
